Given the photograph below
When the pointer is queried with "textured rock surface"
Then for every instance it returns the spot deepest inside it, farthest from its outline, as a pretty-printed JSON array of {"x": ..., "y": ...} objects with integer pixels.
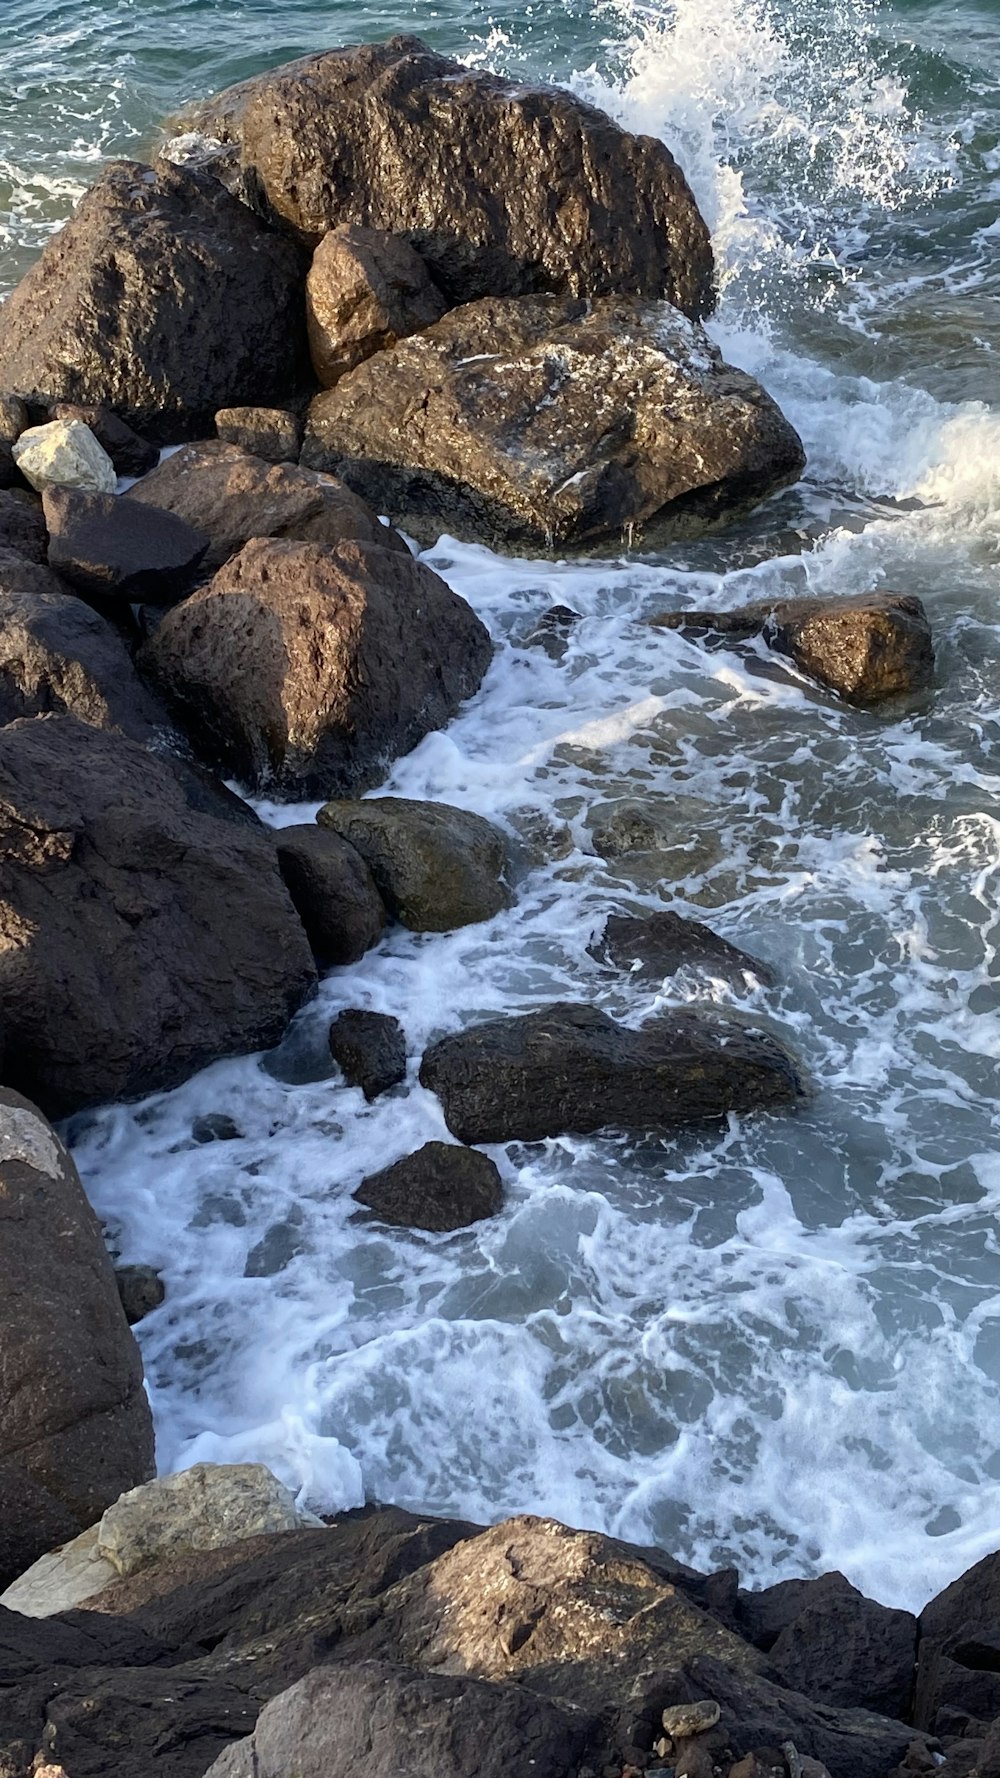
[
  {"x": 61, "y": 1579},
  {"x": 652, "y": 946},
  {"x": 551, "y": 420},
  {"x": 365, "y": 290},
  {"x": 64, "y": 454},
  {"x": 333, "y": 891},
  {"x": 130, "y": 454},
  {"x": 959, "y": 1653},
  {"x": 22, "y": 526},
  {"x": 164, "y": 299},
  {"x": 268, "y": 432},
  {"x": 141, "y": 938},
  {"x": 440, "y": 1187},
  {"x": 572, "y": 1069},
  {"x": 842, "y": 1648},
  {"x": 141, "y": 1290},
  {"x": 307, "y": 670},
  {"x": 207, "y": 1507},
  {"x": 435, "y": 867},
  {"x": 369, "y": 1048},
  {"x": 75, "y": 1426},
  {"x": 231, "y": 497},
  {"x": 112, "y": 548},
  {"x": 757, "y": 1713},
  {"x": 395, "y": 137}
]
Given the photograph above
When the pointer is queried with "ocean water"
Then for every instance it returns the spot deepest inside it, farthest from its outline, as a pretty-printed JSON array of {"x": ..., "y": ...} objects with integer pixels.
[{"x": 775, "y": 1343}]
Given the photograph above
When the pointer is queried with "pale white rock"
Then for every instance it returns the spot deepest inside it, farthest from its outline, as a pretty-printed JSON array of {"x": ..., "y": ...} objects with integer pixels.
[
  {"x": 202, "y": 1508},
  {"x": 64, "y": 454},
  {"x": 61, "y": 1580}
]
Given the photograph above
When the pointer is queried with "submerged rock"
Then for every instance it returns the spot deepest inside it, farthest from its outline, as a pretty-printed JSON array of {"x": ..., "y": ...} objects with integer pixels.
[
  {"x": 110, "y": 548},
  {"x": 271, "y": 433},
  {"x": 544, "y": 421},
  {"x": 653, "y": 946},
  {"x": 64, "y": 454},
  {"x": 333, "y": 891},
  {"x": 571, "y": 1069},
  {"x": 365, "y": 290},
  {"x": 435, "y": 867},
  {"x": 502, "y": 187},
  {"x": 369, "y": 1048},
  {"x": 440, "y": 1188}
]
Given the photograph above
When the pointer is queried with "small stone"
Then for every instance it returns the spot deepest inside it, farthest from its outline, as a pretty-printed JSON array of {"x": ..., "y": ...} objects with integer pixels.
[
  {"x": 370, "y": 1050},
  {"x": 690, "y": 1719},
  {"x": 215, "y": 1126},
  {"x": 271, "y": 433},
  {"x": 553, "y": 630},
  {"x": 64, "y": 454},
  {"x": 440, "y": 1188},
  {"x": 141, "y": 1290},
  {"x": 276, "y": 1250}
]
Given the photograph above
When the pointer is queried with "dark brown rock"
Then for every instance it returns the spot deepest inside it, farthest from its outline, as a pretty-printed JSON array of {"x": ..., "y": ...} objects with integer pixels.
[
  {"x": 163, "y": 299},
  {"x": 141, "y": 1290},
  {"x": 110, "y": 548},
  {"x": 369, "y": 1048},
  {"x": 441, "y": 1187},
  {"x": 14, "y": 418},
  {"x": 231, "y": 497},
  {"x": 572, "y": 1069},
  {"x": 365, "y": 290},
  {"x": 959, "y": 1663},
  {"x": 142, "y": 938},
  {"x": 866, "y": 647},
  {"x": 271, "y": 433},
  {"x": 395, "y": 137},
  {"x": 842, "y": 1648},
  {"x": 333, "y": 891},
  {"x": 22, "y": 525},
  {"x": 307, "y": 670},
  {"x": 75, "y": 1426},
  {"x": 544, "y": 421},
  {"x": 652, "y": 946},
  {"x": 130, "y": 454},
  {"x": 436, "y": 867},
  {"x": 757, "y": 1713}
]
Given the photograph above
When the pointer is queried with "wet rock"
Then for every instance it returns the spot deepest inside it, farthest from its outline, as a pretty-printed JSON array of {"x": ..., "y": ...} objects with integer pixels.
[
  {"x": 867, "y": 647},
  {"x": 553, "y": 631},
  {"x": 439, "y": 1188},
  {"x": 271, "y": 433},
  {"x": 547, "y": 421},
  {"x": 64, "y": 454},
  {"x": 22, "y": 526},
  {"x": 333, "y": 891},
  {"x": 435, "y": 867},
  {"x": 842, "y": 1648},
  {"x": 395, "y": 137},
  {"x": 653, "y": 946},
  {"x": 164, "y": 299},
  {"x": 281, "y": 1244},
  {"x": 115, "y": 549},
  {"x": 307, "y": 670},
  {"x": 141, "y": 1290},
  {"x": 571, "y": 1069},
  {"x": 215, "y": 1126},
  {"x": 130, "y": 454},
  {"x": 75, "y": 1426},
  {"x": 369, "y": 1048},
  {"x": 230, "y": 497},
  {"x": 144, "y": 938},
  {"x": 365, "y": 290}
]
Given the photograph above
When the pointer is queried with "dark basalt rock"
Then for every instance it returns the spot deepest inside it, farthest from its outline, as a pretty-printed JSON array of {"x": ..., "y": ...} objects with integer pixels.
[
  {"x": 369, "y": 1048},
  {"x": 867, "y": 647},
  {"x": 436, "y": 867},
  {"x": 392, "y": 136},
  {"x": 365, "y": 290},
  {"x": 757, "y": 1713},
  {"x": 572, "y": 1069},
  {"x": 652, "y": 946},
  {"x": 958, "y": 1668},
  {"x": 130, "y": 454},
  {"x": 271, "y": 433},
  {"x": 333, "y": 891},
  {"x": 141, "y": 1290},
  {"x": 22, "y": 525},
  {"x": 842, "y": 1648},
  {"x": 439, "y": 1188},
  {"x": 109, "y": 548},
  {"x": 545, "y": 421},
  {"x": 163, "y": 299}
]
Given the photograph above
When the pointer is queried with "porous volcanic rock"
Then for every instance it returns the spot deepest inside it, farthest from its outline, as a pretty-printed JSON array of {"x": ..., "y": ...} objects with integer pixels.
[
  {"x": 22, "y": 526},
  {"x": 333, "y": 891},
  {"x": 441, "y": 1187},
  {"x": 842, "y": 1648},
  {"x": 436, "y": 867},
  {"x": 164, "y": 299},
  {"x": 130, "y": 454},
  {"x": 268, "y": 432},
  {"x": 365, "y": 290},
  {"x": 652, "y": 946},
  {"x": 369, "y": 1048},
  {"x": 958, "y": 1673},
  {"x": 141, "y": 938},
  {"x": 866, "y": 647},
  {"x": 549, "y": 420},
  {"x": 75, "y": 1426},
  {"x": 502, "y": 187},
  {"x": 307, "y": 670},
  {"x": 111, "y": 548},
  {"x": 570, "y": 1068},
  {"x": 231, "y": 496}
]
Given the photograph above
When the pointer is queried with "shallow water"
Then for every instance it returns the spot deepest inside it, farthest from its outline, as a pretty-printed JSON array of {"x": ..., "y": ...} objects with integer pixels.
[{"x": 776, "y": 1344}]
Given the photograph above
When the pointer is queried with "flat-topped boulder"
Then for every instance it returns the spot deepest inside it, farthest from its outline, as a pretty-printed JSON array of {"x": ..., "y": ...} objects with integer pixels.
[
  {"x": 546, "y": 421},
  {"x": 109, "y": 548},
  {"x": 503, "y": 187},
  {"x": 164, "y": 299}
]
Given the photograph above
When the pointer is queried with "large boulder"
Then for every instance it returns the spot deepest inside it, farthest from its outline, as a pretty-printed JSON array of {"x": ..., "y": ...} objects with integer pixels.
[
  {"x": 958, "y": 1669},
  {"x": 112, "y": 549},
  {"x": 307, "y": 670},
  {"x": 436, "y": 867},
  {"x": 756, "y": 1713},
  {"x": 164, "y": 299},
  {"x": 440, "y": 1188},
  {"x": 75, "y": 1426},
  {"x": 140, "y": 937},
  {"x": 550, "y": 420},
  {"x": 841, "y": 1648},
  {"x": 231, "y": 496},
  {"x": 572, "y": 1069},
  {"x": 333, "y": 891},
  {"x": 365, "y": 290},
  {"x": 503, "y": 188}
]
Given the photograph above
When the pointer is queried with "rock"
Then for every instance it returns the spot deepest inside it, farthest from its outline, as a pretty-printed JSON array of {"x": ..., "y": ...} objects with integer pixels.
[
  {"x": 690, "y": 1719},
  {"x": 163, "y": 299},
  {"x": 842, "y": 1648},
  {"x": 958, "y": 1666},
  {"x": 866, "y": 647},
  {"x": 307, "y": 670},
  {"x": 571, "y": 1069},
  {"x": 61, "y": 1579},
  {"x": 282, "y": 1243},
  {"x": 63, "y": 454},
  {"x": 111, "y": 548},
  {"x": 435, "y": 867},
  {"x": 365, "y": 290},
  {"x": 215, "y": 1126},
  {"x": 143, "y": 938},
  {"x": 553, "y": 631},
  {"x": 130, "y": 454},
  {"x": 546, "y": 421},
  {"x": 231, "y": 497},
  {"x": 141, "y": 1290},
  {"x": 271, "y": 433},
  {"x": 395, "y": 137},
  {"x": 75, "y": 1426},
  {"x": 369, "y": 1048},
  {"x": 439, "y": 1188},
  {"x": 14, "y": 418},
  {"x": 333, "y": 891},
  {"x": 56, "y": 654},
  {"x": 756, "y": 1713},
  {"x": 381, "y": 1720},
  {"x": 653, "y": 946},
  {"x": 22, "y": 527},
  {"x": 207, "y": 1507}
]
